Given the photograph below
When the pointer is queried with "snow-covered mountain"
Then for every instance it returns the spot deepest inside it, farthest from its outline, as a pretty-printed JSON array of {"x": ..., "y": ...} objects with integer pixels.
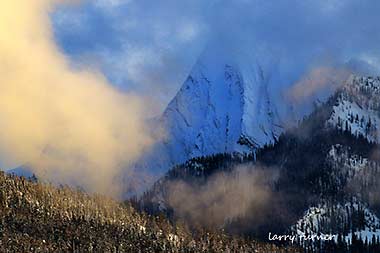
[
  {"x": 222, "y": 106},
  {"x": 219, "y": 109},
  {"x": 357, "y": 107},
  {"x": 228, "y": 105},
  {"x": 21, "y": 171},
  {"x": 327, "y": 174},
  {"x": 225, "y": 106}
]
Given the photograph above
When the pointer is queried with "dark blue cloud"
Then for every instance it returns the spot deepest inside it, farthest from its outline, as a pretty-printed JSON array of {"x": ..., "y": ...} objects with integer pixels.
[
  {"x": 88, "y": 30},
  {"x": 146, "y": 45}
]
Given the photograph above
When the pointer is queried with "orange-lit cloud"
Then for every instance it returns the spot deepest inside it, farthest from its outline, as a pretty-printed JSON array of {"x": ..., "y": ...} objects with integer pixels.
[
  {"x": 316, "y": 80},
  {"x": 67, "y": 124}
]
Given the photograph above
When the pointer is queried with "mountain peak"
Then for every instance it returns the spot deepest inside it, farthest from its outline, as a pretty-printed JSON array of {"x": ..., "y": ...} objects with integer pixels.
[{"x": 220, "y": 108}]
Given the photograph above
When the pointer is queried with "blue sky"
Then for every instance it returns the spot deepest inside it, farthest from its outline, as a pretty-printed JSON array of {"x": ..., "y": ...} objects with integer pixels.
[
  {"x": 149, "y": 46},
  {"x": 141, "y": 46}
]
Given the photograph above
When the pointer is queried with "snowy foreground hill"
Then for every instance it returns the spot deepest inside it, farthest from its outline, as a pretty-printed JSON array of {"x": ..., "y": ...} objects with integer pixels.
[{"x": 35, "y": 217}]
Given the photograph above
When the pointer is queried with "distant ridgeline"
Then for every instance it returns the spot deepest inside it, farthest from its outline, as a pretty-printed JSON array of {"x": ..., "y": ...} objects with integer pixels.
[
  {"x": 37, "y": 217},
  {"x": 327, "y": 176}
]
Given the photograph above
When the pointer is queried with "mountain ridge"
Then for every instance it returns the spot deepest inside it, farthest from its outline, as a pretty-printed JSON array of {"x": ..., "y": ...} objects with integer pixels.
[{"x": 317, "y": 162}]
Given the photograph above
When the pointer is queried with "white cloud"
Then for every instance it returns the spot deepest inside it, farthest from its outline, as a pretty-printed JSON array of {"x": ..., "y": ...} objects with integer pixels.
[
  {"x": 70, "y": 126},
  {"x": 110, "y": 3},
  {"x": 188, "y": 31},
  {"x": 70, "y": 20}
]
